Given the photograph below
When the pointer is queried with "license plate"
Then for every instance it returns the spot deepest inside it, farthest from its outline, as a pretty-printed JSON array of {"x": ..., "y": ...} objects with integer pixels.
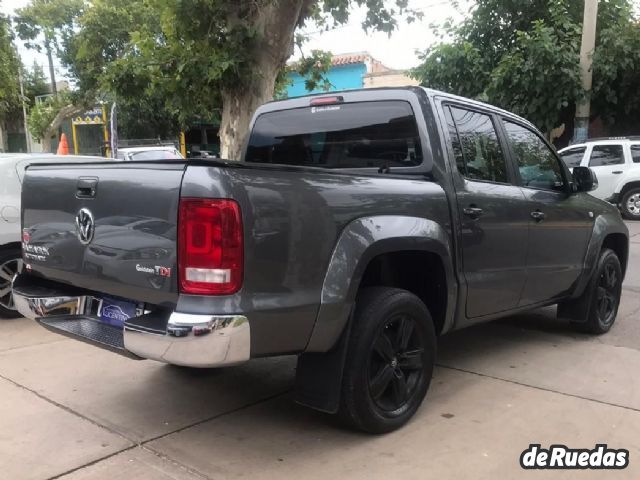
[{"x": 115, "y": 311}]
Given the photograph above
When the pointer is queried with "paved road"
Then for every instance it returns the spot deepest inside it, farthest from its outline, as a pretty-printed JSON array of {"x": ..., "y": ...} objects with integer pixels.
[{"x": 74, "y": 412}]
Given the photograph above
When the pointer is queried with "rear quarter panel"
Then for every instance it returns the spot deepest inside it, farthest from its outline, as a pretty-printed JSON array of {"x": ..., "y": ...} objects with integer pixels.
[{"x": 292, "y": 220}]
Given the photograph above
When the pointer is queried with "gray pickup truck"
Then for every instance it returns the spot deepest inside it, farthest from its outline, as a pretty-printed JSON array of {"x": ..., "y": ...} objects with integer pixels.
[{"x": 358, "y": 228}]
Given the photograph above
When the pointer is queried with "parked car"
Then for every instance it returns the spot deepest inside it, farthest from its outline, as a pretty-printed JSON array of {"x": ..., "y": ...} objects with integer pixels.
[
  {"x": 12, "y": 167},
  {"x": 158, "y": 152},
  {"x": 358, "y": 228},
  {"x": 616, "y": 162}
]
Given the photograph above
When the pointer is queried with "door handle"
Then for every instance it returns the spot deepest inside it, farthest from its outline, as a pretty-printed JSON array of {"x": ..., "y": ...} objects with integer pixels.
[
  {"x": 472, "y": 212},
  {"x": 537, "y": 215},
  {"x": 617, "y": 172},
  {"x": 87, "y": 187}
]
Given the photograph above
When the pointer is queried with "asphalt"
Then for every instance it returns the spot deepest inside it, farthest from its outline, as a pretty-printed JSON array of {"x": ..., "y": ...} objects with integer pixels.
[{"x": 75, "y": 412}]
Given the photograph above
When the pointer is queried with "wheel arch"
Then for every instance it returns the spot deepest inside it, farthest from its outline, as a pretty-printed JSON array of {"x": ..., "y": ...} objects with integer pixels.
[
  {"x": 608, "y": 232},
  {"x": 628, "y": 186},
  {"x": 361, "y": 248},
  {"x": 10, "y": 245},
  {"x": 619, "y": 243}
]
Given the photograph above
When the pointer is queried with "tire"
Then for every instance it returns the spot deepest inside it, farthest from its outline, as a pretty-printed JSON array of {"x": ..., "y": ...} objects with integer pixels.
[
  {"x": 630, "y": 204},
  {"x": 380, "y": 361},
  {"x": 10, "y": 263},
  {"x": 599, "y": 302}
]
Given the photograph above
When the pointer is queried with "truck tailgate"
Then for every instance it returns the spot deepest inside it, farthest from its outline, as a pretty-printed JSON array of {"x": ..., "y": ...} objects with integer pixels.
[{"x": 110, "y": 228}]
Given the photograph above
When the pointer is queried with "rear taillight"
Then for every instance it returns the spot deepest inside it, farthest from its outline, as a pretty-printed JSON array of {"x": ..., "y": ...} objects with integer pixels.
[{"x": 210, "y": 244}]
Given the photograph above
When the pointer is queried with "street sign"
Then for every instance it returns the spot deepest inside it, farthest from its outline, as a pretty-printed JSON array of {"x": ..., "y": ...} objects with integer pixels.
[{"x": 90, "y": 117}]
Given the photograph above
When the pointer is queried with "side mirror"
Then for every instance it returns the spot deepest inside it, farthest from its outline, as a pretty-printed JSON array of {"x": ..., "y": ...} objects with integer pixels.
[{"x": 584, "y": 179}]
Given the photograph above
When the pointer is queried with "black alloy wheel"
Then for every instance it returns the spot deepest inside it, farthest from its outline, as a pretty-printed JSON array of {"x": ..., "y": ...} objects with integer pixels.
[
  {"x": 595, "y": 310},
  {"x": 608, "y": 294},
  {"x": 391, "y": 354},
  {"x": 396, "y": 363}
]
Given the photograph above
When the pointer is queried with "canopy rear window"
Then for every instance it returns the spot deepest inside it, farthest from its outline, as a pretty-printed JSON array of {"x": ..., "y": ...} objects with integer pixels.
[{"x": 347, "y": 135}]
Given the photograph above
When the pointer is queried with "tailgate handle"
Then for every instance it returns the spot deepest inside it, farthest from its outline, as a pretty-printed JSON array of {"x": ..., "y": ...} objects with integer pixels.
[{"x": 87, "y": 187}]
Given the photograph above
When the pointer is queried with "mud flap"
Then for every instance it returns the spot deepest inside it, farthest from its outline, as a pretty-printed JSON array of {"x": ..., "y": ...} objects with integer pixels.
[{"x": 318, "y": 382}]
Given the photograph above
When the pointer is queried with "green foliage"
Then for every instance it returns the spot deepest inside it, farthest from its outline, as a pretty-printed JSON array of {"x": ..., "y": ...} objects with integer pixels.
[
  {"x": 35, "y": 83},
  {"x": 454, "y": 67},
  {"x": 9, "y": 65},
  {"x": 524, "y": 56},
  {"x": 616, "y": 75},
  {"x": 313, "y": 68},
  {"x": 171, "y": 63},
  {"x": 42, "y": 114},
  {"x": 51, "y": 19},
  {"x": 540, "y": 77}
]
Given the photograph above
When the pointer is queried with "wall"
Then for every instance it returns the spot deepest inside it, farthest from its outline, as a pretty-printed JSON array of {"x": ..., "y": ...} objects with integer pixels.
[
  {"x": 392, "y": 78},
  {"x": 342, "y": 77}
]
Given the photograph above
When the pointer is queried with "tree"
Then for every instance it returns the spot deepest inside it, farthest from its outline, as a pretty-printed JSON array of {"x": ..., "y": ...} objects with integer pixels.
[
  {"x": 48, "y": 24},
  {"x": 35, "y": 82},
  {"x": 9, "y": 65},
  {"x": 539, "y": 78},
  {"x": 197, "y": 56},
  {"x": 46, "y": 117},
  {"x": 524, "y": 56},
  {"x": 616, "y": 75}
]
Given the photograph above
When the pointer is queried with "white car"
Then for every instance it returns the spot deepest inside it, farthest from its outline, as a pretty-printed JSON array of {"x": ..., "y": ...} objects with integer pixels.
[
  {"x": 12, "y": 167},
  {"x": 616, "y": 162},
  {"x": 161, "y": 152}
]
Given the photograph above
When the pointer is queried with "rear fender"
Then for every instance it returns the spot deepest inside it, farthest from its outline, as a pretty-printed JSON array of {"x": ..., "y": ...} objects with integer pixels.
[{"x": 361, "y": 241}]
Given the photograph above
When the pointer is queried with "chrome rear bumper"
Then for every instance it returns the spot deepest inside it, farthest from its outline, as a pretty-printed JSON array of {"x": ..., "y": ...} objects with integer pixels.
[
  {"x": 185, "y": 339},
  {"x": 193, "y": 340}
]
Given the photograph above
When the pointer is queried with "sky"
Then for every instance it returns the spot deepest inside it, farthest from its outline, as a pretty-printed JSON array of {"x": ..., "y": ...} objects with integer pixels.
[
  {"x": 28, "y": 56},
  {"x": 397, "y": 51}
]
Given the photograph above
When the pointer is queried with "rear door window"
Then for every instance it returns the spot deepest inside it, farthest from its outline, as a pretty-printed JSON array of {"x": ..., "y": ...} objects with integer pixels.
[
  {"x": 635, "y": 153},
  {"x": 348, "y": 135},
  {"x": 602, "y": 155},
  {"x": 573, "y": 156},
  {"x": 475, "y": 144}
]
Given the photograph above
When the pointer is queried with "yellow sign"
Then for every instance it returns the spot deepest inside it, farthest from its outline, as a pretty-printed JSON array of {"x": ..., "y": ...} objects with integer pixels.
[{"x": 91, "y": 117}]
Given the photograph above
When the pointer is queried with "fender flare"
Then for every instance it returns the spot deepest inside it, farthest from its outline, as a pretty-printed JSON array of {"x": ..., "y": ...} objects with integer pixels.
[
  {"x": 362, "y": 240},
  {"x": 604, "y": 225}
]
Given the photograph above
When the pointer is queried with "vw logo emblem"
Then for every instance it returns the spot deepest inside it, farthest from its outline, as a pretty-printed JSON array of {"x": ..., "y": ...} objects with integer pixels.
[{"x": 84, "y": 226}]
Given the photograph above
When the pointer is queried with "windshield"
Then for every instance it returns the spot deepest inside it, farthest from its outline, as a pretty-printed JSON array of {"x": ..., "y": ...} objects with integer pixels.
[
  {"x": 352, "y": 135},
  {"x": 169, "y": 154}
]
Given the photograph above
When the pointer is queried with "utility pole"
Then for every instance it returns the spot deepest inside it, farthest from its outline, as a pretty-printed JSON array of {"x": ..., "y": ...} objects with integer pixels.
[{"x": 581, "y": 128}]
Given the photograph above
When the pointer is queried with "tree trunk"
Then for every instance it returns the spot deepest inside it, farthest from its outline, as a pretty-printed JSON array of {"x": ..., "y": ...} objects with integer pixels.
[
  {"x": 238, "y": 107},
  {"x": 275, "y": 25},
  {"x": 64, "y": 113},
  {"x": 52, "y": 70}
]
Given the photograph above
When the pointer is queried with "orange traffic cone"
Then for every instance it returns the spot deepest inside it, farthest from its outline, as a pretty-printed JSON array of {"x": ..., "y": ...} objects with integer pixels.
[{"x": 63, "y": 146}]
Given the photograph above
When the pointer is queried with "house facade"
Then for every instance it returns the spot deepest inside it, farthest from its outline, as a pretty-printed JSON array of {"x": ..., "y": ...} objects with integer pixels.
[{"x": 353, "y": 70}]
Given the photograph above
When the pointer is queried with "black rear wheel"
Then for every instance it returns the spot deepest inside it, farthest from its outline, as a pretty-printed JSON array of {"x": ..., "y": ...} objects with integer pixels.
[
  {"x": 389, "y": 361},
  {"x": 601, "y": 297}
]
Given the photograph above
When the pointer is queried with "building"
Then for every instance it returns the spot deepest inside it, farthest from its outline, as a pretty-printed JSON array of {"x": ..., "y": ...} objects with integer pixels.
[{"x": 353, "y": 70}]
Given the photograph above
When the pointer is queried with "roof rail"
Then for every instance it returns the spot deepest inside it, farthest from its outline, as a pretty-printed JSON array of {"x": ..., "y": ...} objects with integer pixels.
[{"x": 625, "y": 137}]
